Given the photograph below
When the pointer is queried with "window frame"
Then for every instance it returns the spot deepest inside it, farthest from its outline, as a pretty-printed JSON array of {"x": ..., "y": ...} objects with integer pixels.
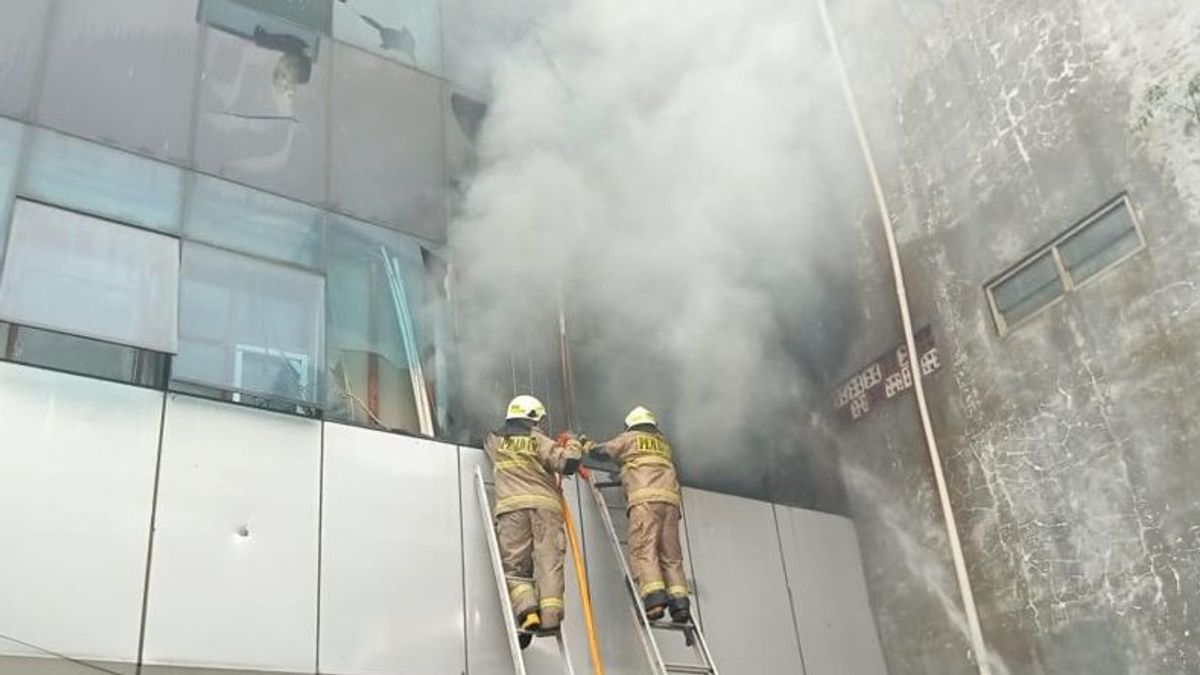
[{"x": 1067, "y": 280}]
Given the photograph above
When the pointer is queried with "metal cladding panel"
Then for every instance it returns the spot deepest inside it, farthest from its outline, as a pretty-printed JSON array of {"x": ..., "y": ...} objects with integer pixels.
[
  {"x": 77, "y": 461},
  {"x": 487, "y": 648},
  {"x": 740, "y": 581},
  {"x": 391, "y": 552},
  {"x": 233, "y": 579},
  {"x": 829, "y": 593}
]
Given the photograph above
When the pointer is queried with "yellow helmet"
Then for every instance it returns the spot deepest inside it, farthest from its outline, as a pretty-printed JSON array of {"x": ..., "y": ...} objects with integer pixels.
[
  {"x": 639, "y": 415},
  {"x": 525, "y": 407}
]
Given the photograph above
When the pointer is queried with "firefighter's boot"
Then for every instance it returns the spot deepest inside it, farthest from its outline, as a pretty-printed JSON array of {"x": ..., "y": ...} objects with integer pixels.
[
  {"x": 529, "y": 621},
  {"x": 655, "y": 604},
  {"x": 681, "y": 609}
]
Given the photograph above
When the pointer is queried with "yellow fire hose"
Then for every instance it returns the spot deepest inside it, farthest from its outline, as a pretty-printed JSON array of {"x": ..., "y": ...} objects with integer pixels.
[{"x": 585, "y": 597}]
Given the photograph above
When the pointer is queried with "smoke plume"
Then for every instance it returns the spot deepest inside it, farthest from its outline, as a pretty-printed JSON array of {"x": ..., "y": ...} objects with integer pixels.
[{"x": 681, "y": 176}]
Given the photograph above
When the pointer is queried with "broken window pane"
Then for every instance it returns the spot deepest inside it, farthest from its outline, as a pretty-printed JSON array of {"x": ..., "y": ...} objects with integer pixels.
[
  {"x": 313, "y": 15},
  {"x": 408, "y": 31},
  {"x": 1100, "y": 243},
  {"x": 1028, "y": 290},
  {"x": 375, "y": 360},
  {"x": 464, "y": 118},
  {"x": 85, "y": 276},
  {"x": 246, "y": 325},
  {"x": 261, "y": 116}
]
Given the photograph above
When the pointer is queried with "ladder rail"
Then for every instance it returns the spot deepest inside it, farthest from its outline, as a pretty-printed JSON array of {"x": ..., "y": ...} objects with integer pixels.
[
  {"x": 564, "y": 653},
  {"x": 701, "y": 647},
  {"x": 510, "y": 621},
  {"x": 694, "y": 632},
  {"x": 645, "y": 632}
]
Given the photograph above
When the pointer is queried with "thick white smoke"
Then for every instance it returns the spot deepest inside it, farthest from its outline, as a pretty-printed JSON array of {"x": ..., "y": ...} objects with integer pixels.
[{"x": 682, "y": 173}]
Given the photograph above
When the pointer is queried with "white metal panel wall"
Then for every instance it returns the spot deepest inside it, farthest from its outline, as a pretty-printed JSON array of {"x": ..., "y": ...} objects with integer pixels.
[
  {"x": 829, "y": 593},
  {"x": 740, "y": 581},
  {"x": 76, "y": 484},
  {"x": 487, "y": 648},
  {"x": 391, "y": 552},
  {"x": 233, "y": 579}
]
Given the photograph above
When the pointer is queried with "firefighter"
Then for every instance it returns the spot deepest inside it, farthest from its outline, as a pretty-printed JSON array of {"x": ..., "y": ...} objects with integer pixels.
[
  {"x": 652, "y": 496},
  {"x": 529, "y": 517}
]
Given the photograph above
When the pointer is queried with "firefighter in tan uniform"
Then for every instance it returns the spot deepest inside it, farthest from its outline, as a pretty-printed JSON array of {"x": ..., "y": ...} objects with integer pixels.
[
  {"x": 529, "y": 517},
  {"x": 652, "y": 495}
]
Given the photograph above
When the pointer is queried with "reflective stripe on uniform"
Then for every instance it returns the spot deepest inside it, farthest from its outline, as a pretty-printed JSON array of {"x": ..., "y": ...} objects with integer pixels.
[
  {"x": 519, "y": 590},
  {"x": 677, "y": 591},
  {"x": 652, "y": 586},
  {"x": 527, "y": 502},
  {"x": 511, "y": 464},
  {"x": 551, "y": 603},
  {"x": 646, "y": 460},
  {"x": 654, "y": 494}
]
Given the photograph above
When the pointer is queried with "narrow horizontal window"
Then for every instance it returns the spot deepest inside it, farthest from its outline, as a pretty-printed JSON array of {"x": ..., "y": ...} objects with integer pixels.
[
  {"x": 1094, "y": 245},
  {"x": 1100, "y": 243},
  {"x": 1027, "y": 290},
  {"x": 83, "y": 356}
]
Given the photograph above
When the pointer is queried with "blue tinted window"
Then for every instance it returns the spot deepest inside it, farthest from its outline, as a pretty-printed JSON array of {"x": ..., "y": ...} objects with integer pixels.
[
  {"x": 89, "y": 177},
  {"x": 11, "y": 134},
  {"x": 376, "y": 363},
  {"x": 246, "y": 325},
  {"x": 236, "y": 217}
]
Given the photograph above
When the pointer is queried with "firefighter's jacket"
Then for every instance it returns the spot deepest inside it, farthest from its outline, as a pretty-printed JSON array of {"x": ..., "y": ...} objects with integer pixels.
[
  {"x": 525, "y": 465},
  {"x": 647, "y": 471}
]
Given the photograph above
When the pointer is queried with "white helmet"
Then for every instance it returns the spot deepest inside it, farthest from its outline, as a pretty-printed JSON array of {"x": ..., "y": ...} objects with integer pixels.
[
  {"x": 525, "y": 407},
  {"x": 639, "y": 415}
]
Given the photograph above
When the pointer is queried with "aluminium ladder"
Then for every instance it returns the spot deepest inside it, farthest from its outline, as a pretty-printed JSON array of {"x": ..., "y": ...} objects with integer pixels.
[
  {"x": 510, "y": 621},
  {"x": 691, "y": 631}
]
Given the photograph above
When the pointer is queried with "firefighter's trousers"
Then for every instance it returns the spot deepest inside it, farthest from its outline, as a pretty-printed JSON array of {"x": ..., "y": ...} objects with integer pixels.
[
  {"x": 655, "y": 554},
  {"x": 532, "y": 545}
]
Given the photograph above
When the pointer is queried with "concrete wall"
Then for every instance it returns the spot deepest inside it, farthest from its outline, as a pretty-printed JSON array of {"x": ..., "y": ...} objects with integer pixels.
[
  {"x": 191, "y": 536},
  {"x": 1070, "y": 443}
]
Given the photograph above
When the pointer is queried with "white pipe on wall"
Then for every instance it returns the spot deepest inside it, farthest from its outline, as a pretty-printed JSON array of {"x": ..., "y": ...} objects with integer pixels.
[{"x": 960, "y": 565}]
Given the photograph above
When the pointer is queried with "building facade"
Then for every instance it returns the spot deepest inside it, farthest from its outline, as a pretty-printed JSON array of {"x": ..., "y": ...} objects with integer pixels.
[
  {"x": 232, "y": 436},
  {"x": 1040, "y": 163}
]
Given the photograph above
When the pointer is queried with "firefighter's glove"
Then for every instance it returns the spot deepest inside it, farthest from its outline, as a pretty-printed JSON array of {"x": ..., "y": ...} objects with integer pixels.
[{"x": 570, "y": 465}]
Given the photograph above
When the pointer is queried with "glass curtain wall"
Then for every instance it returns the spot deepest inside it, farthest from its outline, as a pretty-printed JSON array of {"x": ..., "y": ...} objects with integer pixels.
[
  {"x": 252, "y": 297},
  {"x": 288, "y": 156}
]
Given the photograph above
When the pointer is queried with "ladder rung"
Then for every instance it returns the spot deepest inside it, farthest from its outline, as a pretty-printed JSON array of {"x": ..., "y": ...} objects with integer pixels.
[
  {"x": 606, "y": 485},
  {"x": 684, "y": 668},
  {"x": 663, "y": 625}
]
